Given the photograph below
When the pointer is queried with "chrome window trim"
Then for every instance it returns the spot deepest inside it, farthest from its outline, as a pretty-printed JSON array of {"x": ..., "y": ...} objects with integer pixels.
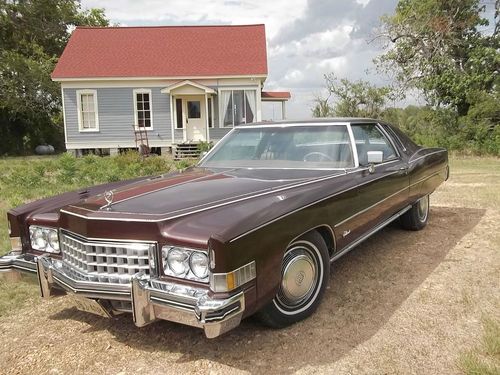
[
  {"x": 354, "y": 148},
  {"x": 388, "y": 128},
  {"x": 219, "y": 143}
]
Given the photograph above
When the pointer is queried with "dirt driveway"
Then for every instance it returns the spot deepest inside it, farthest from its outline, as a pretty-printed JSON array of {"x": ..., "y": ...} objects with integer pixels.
[{"x": 402, "y": 302}]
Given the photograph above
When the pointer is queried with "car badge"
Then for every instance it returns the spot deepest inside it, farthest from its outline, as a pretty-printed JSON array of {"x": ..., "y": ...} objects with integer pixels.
[{"x": 108, "y": 196}]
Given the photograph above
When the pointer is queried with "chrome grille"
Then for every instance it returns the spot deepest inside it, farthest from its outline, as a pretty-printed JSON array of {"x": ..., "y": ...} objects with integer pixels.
[{"x": 104, "y": 261}]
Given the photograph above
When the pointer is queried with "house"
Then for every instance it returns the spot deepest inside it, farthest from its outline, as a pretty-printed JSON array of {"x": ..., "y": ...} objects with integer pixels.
[{"x": 179, "y": 84}]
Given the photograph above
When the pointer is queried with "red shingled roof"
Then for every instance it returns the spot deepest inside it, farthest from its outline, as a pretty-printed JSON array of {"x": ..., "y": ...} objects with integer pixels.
[{"x": 164, "y": 51}]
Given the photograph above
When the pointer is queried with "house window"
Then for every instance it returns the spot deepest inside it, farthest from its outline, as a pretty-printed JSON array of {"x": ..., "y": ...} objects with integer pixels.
[
  {"x": 210, "y": 113},
  {"x": 143, "y": 109},
  {"x": 178, "y": 114},
  {"x": 194, "y": 109},
  {"x": 88, "y": 119},
  {"x": 238, "y": 107}
]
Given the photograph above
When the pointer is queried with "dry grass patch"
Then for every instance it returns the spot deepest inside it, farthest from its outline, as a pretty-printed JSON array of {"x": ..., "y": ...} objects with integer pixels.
[{"x": 485, "y": 359}]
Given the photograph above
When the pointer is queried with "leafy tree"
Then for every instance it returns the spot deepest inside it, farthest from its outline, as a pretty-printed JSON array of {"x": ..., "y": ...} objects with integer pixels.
[
  {"x": 441, "y": 47},
  {"x": 33, "y": 34},
  {"x": 322, "y": 107},
  {"x": 351, "y": 99}
]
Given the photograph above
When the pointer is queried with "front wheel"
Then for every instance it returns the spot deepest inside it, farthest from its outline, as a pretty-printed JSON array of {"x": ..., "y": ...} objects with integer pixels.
[
  {"x": 305, "y": 273},
  {"x": 417, "y": 216}
]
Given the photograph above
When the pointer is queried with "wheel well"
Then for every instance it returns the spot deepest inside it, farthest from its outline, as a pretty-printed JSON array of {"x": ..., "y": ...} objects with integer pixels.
[{"x": 327, "y": 233}]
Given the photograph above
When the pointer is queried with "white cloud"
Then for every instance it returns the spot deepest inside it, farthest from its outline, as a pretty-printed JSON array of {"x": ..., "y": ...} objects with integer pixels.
[
  {"x": 274, "y": 13},
  {"x": 306, "y": 38}
]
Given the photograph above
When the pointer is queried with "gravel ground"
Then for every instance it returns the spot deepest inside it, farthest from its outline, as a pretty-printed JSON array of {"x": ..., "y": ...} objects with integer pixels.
[{"x": 402, "y": 302}]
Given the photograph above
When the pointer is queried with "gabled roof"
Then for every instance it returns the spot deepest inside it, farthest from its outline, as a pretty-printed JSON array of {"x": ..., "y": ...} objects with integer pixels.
[{"x": 163, "y": 51}]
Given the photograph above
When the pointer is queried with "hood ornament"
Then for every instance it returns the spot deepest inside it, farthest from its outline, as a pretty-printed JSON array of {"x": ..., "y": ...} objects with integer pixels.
[{"x": 108, "y": 196}]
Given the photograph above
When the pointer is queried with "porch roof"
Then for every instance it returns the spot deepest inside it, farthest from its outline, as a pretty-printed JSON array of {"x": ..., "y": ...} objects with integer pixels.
[
  {"x": 275, "y": 96},
  {"x": 187, "y": 87}
]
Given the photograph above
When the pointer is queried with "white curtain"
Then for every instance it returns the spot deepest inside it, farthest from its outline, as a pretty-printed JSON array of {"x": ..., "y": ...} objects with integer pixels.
[
  {"x": 251, "y": 99},
  {"x": 226, "y": 96}
]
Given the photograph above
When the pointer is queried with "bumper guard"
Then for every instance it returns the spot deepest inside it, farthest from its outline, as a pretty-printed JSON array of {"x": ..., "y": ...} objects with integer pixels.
[{"x": 151, "y": 299}]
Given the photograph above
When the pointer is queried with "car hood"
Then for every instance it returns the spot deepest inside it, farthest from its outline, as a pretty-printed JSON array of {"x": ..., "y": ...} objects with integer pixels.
[{"x": 197, "y": 189}]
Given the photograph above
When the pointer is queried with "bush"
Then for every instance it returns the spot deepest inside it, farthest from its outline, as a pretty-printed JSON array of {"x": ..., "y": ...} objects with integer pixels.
[{"x": 33, "y": 178}]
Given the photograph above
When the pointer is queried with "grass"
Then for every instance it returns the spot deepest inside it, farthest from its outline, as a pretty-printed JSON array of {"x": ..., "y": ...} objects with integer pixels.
[
  {"x": 474, "y": 182},
  {"x": 24, "y": 179},
  {"x": 485, "y": 359}
]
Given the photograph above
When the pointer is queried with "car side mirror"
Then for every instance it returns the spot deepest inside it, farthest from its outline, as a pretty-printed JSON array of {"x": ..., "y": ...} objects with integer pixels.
[{"x": 374, "y": 157}]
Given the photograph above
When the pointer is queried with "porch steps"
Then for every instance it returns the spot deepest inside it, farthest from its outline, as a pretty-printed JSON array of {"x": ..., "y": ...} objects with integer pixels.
[{"x": 186, "y": 151}]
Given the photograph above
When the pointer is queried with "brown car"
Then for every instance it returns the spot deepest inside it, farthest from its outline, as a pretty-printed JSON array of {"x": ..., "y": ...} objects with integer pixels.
[{"x": 251, "y": 229}]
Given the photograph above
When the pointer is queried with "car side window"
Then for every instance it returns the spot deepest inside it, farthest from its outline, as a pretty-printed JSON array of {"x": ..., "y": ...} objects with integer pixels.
[{"x": 369, "y": 137}]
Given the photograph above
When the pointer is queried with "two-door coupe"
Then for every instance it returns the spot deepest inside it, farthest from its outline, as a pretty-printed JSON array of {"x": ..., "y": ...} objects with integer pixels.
[{"x": 252, "y": 228}]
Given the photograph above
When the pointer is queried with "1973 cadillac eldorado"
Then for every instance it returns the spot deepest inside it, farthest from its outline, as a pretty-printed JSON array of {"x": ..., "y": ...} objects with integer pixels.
[{"x": 253, "y": 228}]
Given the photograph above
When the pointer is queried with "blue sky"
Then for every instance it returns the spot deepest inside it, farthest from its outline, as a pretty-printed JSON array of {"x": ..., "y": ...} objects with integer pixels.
[{"x": 306, "y": 38}]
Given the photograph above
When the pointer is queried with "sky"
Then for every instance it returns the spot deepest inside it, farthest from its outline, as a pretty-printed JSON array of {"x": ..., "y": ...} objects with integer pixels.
[{"x": 305, "y": 38}]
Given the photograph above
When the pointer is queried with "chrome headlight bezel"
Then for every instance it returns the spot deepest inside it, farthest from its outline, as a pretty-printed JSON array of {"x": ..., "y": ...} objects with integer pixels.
[
  {"x": 178, "y": 262},
  {"x": 44, "y": 239}
]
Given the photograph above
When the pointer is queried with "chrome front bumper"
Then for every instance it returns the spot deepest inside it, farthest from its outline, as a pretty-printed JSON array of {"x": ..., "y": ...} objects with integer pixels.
[{"x": 150, "y": 299}]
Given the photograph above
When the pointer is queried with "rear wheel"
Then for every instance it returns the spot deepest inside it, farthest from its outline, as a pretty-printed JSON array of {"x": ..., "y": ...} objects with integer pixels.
[
  {"x": 305, "y": 273},
  {"x": 416, "y": 218}
]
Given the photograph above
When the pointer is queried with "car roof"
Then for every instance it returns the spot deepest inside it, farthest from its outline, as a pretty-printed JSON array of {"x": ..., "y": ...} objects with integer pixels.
[{"x": 323, "y": 120}]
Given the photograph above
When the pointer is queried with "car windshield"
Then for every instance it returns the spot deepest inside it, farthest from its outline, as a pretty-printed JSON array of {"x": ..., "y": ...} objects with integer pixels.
[{"x": 304, "y": 147}]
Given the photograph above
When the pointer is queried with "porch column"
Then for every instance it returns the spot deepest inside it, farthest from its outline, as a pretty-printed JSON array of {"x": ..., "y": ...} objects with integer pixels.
[
  {"x": 172, "y": 117},
  {"x": 206, "y": 117},
  {"x": 283, "y": 110}
]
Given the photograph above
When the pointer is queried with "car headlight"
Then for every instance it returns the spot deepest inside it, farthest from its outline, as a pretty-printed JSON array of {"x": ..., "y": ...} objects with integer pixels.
[
  {"x": 177, "y": 261},
  {"x": 198, "y": 262},
  {"x": 44, "y": 239},
  {"x": 186, "y": 263}
]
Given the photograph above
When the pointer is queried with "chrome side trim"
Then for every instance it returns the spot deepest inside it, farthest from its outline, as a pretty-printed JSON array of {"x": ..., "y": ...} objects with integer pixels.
[
  {"x": 424, "y": 156},
  {"x": 311, "y": 204},
  {"x": 375, "y": 229},
  {"x": 386, "y": 198},
  {"x": 370, "y": 207},
  {"x": 425, "y": 178},
  {"x": 313, "y": 228}
]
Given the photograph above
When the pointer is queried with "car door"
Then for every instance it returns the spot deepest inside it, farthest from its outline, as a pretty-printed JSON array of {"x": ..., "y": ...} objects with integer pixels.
[{"x": 382, "y": 191}]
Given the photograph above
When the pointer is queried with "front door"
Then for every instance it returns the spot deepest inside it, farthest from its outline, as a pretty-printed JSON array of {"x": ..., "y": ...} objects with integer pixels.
[{"x": 196, "y": 124}]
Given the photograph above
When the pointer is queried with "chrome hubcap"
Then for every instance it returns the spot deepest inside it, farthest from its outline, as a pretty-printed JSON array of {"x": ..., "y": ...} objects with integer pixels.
[
  {"x": 423, "y": 208},
  {"x": 299, "y": 276}
]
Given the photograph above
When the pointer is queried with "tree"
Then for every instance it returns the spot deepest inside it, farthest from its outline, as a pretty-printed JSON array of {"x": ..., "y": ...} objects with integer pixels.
[
  {"x": 441, "y": 48},
  {"x": 33, "y": 34},
  {"x": 352, "y": 98}
]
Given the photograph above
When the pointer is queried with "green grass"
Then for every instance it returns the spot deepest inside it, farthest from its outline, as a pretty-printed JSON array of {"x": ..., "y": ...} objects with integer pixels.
[
  {"x": 485, "y": 359},
  {"x": 24, "y": 179}
]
